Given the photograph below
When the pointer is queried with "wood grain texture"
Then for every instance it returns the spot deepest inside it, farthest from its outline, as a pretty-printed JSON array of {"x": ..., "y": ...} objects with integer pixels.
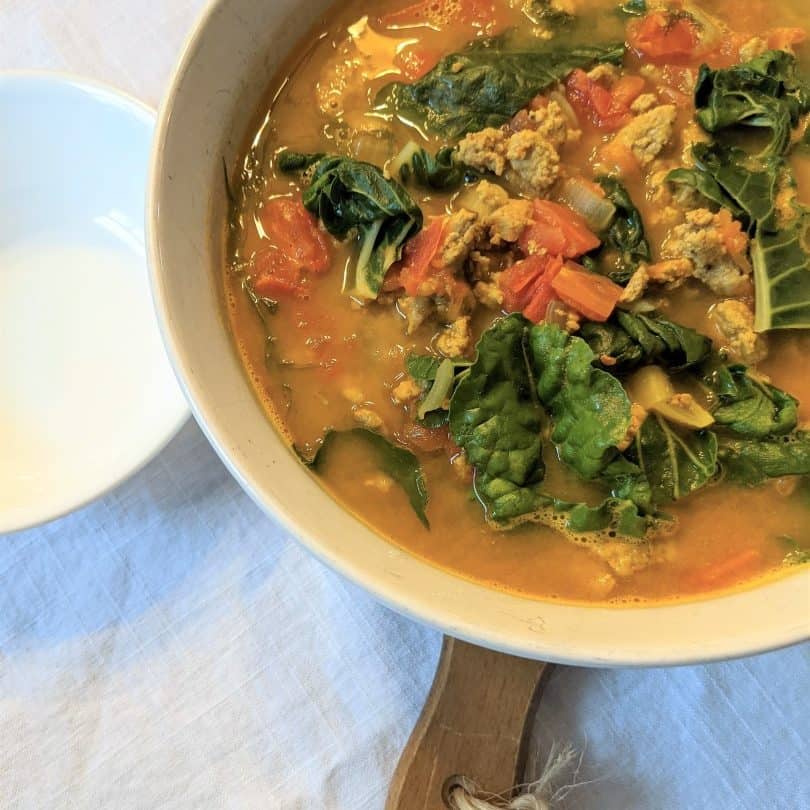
[{"x": 475, "y": 723}]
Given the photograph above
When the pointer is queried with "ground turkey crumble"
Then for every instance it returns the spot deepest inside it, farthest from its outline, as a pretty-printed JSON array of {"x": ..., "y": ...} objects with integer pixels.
[
  {"x": 647, "y": 134},
  {"x": 530, "y": 157},
  {"x": 734, "y": 321},
  {"x": 700, "y": 240}
]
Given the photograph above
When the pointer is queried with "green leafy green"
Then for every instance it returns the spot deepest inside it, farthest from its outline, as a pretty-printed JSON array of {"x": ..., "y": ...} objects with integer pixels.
[
  {"x": 674, "y": 462},
  {"x": 749, "y": 407},
  {"x": 638, "y": 340},
  {"x": 590, "y": 410},
  {"x": 627, "y": 481},
  {"x": 438, "y": 377},
  {"x": 485, "y": 84},
  {"x": 634, "y": 8},
  {"x": 764, "y": 93},
  {"x": 625, "y": 234},
  {"x": 752, "y": 461},
  {"x": 613, "y": 517},
  {"x": 706, "y": 184},
  {"x": 350, "y": 196},
  {"x": 396, "y": 462},
  {"x": 781, "y": 264},
  {"x": 289, "y": 161},
  {"x": 441, "y": 172},
  {"x": 422, "y": 367},
  {"x": 780, "y": 255},
  {"x": 496, "y": 418},
  {"x": 544, "y": 12},
  {"x": 727, "y": 176}
]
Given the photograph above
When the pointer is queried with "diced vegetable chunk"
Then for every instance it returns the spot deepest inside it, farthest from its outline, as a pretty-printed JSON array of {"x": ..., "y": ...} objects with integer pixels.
[
  {"x": 663, "y": 36},
  {"x": 296, "y": 245},
  {"x": 607, "y": 109},
  {"x": 527, "y": 285},
  {"x": 649, "y": 386},
  {"x": 418, "y": 256},
  {"x": 557, "y": 229},
  {"x": 593, "y": 295}
]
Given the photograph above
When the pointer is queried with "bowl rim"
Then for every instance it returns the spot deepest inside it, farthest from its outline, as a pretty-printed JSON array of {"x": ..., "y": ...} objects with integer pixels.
[
  {"x": 134, "y": 107},
  {"x": 524, "y": 640}
]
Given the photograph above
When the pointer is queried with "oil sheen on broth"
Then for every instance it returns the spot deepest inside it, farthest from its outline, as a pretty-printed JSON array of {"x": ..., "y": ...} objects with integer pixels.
[{"x": 335, "y": 361}]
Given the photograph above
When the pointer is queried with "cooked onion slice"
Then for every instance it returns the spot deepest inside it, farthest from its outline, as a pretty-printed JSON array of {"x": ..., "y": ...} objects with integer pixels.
[{"x": 583, "y": 198}]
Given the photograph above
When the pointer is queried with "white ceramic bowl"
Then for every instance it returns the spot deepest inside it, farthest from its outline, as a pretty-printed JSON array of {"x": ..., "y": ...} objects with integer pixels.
[
  {"x": 87, "y": 395},
  {"x": 221, "y": 78}
]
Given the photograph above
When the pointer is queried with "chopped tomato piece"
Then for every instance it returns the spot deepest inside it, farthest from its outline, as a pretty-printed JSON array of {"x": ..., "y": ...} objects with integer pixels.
[
  {"x": 275, "y": 274},
  {"x": 526, "y": 285},
  {"x": 419, "y": 255},
  {"x": 607, "y": 109},
  {"x": 295, "y": 232},
  {"x": 663, "y": 36},
  {"x": 782, "y": 39},
  {"x": 296, "y": 244},
  {"x": 593, "y": 295},
  {"x": 558, "y": 230}
]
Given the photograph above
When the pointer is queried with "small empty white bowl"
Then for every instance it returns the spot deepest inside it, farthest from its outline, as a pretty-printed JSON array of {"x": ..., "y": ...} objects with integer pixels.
[{"x": 86, "y": 393}]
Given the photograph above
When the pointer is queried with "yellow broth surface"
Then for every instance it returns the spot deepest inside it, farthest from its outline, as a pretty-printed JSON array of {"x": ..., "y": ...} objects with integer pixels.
[{"x": 330, "y": 356}]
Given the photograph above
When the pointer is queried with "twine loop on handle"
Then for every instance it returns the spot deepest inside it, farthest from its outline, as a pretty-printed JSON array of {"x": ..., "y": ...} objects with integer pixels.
[{"x": 461, "y": 793}]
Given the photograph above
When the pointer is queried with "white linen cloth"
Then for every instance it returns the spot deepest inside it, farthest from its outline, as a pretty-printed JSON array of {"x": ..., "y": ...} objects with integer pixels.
[{"x": 171, "y": 647}]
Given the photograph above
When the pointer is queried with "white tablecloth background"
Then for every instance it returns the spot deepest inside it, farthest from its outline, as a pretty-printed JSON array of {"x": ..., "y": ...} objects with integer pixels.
[{"x": 171, "y": 647}]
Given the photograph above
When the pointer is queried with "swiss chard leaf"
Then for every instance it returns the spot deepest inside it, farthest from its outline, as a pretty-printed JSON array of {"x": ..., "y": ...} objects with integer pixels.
[
  {"x": 396, "y": 462},
  {"x": 752, "y": 461},
  {"x": 749, "y": 407},
  {"x": 627, "y": 481},
  {"x": 625, "y": 234},
  {"x": 350, "y": 196},
  {"x": 780, "y": 256},
  {"x": 440, "y": 389},
  {"x": 422, "y": 367},
  {"x": 764, "y": 93},
  {"x": 438, "y": 377},
  {"x": 589, "y": 409},
  {"x": 632, "y": 340},
  {"x": 725, "y": 175},
  {"x": 674, "y": 463},
  {"x": 289, "y": 161},
  {"x": 441, "y": 172},
  {"x": 485, "y": 84},
  {"x": 781, "y": 264},
  {"x": 706, "y": 184},
  {"x": 496, "y": 418}
]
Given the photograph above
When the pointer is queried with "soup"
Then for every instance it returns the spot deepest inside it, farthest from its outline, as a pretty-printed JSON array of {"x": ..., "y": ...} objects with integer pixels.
[{"x": 527, "y": 284}]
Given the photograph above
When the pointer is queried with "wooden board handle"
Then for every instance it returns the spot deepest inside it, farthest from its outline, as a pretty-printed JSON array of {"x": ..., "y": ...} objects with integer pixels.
[{"x": 474, "y": 724}]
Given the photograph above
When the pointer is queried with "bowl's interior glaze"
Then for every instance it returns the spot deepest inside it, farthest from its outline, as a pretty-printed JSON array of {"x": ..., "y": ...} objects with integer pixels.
[{"x": 220, "y": 82}]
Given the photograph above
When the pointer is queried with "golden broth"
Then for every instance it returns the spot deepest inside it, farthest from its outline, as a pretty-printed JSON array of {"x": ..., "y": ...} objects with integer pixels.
[{"x": 328, "y": 353}]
